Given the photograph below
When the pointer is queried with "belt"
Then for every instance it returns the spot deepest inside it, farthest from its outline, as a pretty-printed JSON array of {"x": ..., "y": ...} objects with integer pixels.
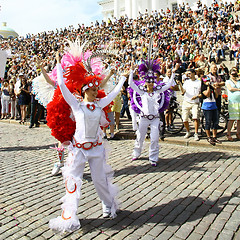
[
  {"x": 149, "y": 117},
  {"x": 86, "y": 145}
]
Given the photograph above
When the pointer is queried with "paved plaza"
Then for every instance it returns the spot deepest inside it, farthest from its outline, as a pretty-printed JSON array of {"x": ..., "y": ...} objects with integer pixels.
[{"x": 193, "y": 193}]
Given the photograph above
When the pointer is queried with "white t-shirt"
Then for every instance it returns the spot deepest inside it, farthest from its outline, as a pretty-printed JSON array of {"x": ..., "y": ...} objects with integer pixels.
[{"x": 192, "y": 89}]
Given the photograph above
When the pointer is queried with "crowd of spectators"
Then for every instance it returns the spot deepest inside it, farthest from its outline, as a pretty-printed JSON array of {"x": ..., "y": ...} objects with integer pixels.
[{"x": 182, "y": 37}]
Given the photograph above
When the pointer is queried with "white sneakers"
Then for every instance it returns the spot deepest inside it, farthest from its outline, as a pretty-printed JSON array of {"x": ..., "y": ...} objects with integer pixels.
[
  {"x": 196, "y": 137},
  {"x": 188, "y": 135}
]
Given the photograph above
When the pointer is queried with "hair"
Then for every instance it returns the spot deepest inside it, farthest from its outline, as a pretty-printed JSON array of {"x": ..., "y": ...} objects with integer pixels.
[
  {"x": 233, "y": 69},
  {"x": 200, "y": 72},
  {"x": 191, "y": 70}
]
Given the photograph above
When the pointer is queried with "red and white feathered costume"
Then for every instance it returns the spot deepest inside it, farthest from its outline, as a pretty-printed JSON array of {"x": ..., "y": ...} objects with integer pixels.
[{"x": 86, "y": 145}]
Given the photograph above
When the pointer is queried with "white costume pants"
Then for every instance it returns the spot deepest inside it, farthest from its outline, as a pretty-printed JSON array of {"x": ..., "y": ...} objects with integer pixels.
[
  {"x": 73, "y": 173},
  {"x": 154, "y": 137},
  {"x": 134, "y": 116}
]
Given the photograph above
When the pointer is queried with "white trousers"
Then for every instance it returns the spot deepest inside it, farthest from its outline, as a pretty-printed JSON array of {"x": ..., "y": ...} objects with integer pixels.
[
  {"x": 144, "y": 123},
  {"x": 73, "y": 173},
  {"x": 5, "y": 104},
  {"x": 134, "y": 116}
]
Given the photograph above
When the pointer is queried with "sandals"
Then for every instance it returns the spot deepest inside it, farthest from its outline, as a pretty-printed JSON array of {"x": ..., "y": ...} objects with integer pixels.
[
  {"x": 216, "y": 140},
  {"x": 211, "y": 141},
  {"x": 229, "y": 138}
]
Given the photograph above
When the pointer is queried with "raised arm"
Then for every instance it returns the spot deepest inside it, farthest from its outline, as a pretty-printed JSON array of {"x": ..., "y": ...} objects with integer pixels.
[
  {"x": 104, "y": 81},
  {"x": 133, "y": 85},
  {"x": 110, "y": 97},
  {"x": 47, "y": 78},
  {"x": 69, "y": 98},
  {"x": 168, "y": 85}
]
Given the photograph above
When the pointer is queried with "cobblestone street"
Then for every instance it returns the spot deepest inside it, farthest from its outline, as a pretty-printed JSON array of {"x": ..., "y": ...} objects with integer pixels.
[{"x": 193, "y": 193}]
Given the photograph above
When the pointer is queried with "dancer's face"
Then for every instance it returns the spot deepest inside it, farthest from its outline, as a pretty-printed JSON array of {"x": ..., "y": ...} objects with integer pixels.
[
  {"x": 150, "y": 86},
  {"x": 91, "y": 94}
]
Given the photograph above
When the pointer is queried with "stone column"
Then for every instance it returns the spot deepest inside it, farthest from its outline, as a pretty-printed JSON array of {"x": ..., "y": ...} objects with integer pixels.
[
  {"x": 134, "y": 9},
  {"x": 155, "y": 5},
  {"x": 116, "y": 8},
  {"x": 128, "y": 8}
]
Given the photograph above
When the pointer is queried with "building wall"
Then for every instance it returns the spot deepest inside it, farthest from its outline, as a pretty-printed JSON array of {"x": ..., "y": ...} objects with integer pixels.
[{"x": 136, "y": 6}]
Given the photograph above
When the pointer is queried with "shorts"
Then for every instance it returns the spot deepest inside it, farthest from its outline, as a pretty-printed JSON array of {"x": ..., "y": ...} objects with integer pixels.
[
  {"x": 117, "y": 104},
  {"x": 111, "y": 118},
  {"x": 186, "y": 107},
  {"x": 234, "y": 111}
]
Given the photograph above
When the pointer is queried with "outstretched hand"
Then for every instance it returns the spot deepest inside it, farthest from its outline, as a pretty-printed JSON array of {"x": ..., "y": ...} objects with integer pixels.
[
  {"x": 38, "y": 62},
  {"x": 126, "y": 73},
  {"x": 57, "y": 57}
]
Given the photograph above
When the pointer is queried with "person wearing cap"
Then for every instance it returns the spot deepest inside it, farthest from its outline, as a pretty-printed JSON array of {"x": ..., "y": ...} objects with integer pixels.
[{"x": 189, "y": 89}]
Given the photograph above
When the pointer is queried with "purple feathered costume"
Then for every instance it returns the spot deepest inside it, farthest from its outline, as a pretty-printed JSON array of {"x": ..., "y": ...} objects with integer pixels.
[{"x": 147, "y": 70}]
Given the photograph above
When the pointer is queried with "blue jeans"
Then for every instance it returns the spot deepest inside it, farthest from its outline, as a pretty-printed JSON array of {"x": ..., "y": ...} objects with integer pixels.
[
  {"x": 125, "y": 107},
  {"x": 211, "y": 119}
]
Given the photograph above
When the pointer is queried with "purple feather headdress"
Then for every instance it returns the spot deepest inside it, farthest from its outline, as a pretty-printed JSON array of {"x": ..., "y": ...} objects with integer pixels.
[
  {"x": 147, "y": 70},
  {"x": 149, "y": 66}
]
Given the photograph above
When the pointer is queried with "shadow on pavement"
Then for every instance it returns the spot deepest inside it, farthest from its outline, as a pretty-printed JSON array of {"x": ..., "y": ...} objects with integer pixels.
[
  {"x": 173, "y": 213},
  {"x": 26, "y": 148},
  {"x": 183, "y": 162}
]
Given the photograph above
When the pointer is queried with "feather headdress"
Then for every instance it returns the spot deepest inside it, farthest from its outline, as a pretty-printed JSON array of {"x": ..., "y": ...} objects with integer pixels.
[{"x": 149, "y": 66}]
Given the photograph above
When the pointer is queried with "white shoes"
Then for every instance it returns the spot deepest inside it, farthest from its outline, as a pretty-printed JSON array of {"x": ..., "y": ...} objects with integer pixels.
[
  {"x": 196, "y": 137},
  {"x": 56, "y": 168},
  {"x": 106, "y": 211},
  {"x": 154, "y": 164},
  {"x": 187, "y": 135}
]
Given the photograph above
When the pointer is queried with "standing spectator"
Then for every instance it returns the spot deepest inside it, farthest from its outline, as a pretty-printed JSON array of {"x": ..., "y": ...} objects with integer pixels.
[
  {"x": 233, "y": 89},
  {"x": 189, "y": 89},
  {"x": 5, "y": 99},
  {"x": 36, "y": 111},
  {"x": 125, "y": 107},
  {"x": 209, "y": 107},
  {"x": 174, "y": 87},
  {"x": 12, "y": 98},
  {"x": 216, "y": 82},
  {"x": 24, "y": 99}
]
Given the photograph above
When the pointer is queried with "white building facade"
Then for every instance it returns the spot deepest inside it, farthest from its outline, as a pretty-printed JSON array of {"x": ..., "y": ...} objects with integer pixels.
[{"x": 131, "y": 8}]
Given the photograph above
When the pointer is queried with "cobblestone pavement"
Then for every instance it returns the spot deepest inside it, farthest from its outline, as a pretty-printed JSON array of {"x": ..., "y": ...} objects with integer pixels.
[{"x": 193, "y": 193}]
